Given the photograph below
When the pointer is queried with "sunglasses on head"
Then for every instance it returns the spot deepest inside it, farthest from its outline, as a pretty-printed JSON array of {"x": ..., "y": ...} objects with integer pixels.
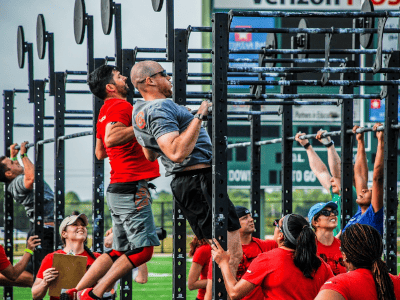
[
  {"x": 163, "y": 73},
  {"x": 327, "y": 213}
]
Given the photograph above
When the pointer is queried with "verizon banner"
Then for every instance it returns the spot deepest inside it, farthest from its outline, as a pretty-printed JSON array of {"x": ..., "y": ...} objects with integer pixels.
[{"x": 309, "y": 5}]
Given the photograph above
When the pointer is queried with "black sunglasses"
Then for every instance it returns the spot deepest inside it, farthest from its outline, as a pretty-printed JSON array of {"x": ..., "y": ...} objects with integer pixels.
[
  {"x": 163, "y": 73},
  {"x": 327, "y": 213}
]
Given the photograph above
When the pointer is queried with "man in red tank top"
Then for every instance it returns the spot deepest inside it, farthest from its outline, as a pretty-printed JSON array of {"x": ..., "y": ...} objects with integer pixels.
[{"x": 128, "y": 197}]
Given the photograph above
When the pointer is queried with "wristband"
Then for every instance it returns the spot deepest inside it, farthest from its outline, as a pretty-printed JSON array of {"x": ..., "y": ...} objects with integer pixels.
[
  {"x": 29, "y": 251},
  {"x": 329, "y": 144},
  {"x": 14, "y": 158},
  {"x": 306, "y": 146},
  {"x": 24, "y": 155}
]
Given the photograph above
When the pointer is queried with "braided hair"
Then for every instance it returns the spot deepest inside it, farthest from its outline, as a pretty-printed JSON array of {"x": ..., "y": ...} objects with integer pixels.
[
  {"x": 298, "y": 235},
  {"x": 363, "y": 247}
]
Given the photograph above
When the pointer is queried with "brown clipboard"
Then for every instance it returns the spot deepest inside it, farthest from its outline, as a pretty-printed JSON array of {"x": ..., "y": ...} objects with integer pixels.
[{"x": 71, "y": 269}]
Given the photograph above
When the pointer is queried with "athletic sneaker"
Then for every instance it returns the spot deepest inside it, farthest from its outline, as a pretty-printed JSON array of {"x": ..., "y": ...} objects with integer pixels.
[
  {"x": 68, "y": 294},
  {"x": 87, "y": 294}
]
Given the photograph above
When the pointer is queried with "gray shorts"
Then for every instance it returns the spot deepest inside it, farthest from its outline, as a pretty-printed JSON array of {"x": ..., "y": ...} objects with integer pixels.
[{"x": 132, "y": 217}]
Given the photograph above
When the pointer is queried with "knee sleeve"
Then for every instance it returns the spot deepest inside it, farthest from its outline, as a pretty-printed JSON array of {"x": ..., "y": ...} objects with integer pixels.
[
  {"x": 114, "y": 254},
  {"x": 140, "y": 256}
]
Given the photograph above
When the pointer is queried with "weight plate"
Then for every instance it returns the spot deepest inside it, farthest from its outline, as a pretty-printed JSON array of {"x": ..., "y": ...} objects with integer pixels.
[
  {"x": 106, "y": 16},
  {"x": 79, "y": 21},
  {"x": 40, "y": 36},
  {"x": 21, "y": 47},
  {"x": 368, "y": 22},
  {"x": 303, "y": 39},
  {"x": 157, "y": 5},
  {"x": 271, "y": 43}
]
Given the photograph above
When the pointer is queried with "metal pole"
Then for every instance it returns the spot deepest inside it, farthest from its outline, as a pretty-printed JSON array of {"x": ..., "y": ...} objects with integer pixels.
[
  {"x": 170, "y": 30},
  {"x": 118, "y": 35},
  {"x": 38, "y": 187},
  {"x": 390, "y": 201},
  {"x": 8, "y": 199},
  {"x": 220, "y": 56},
  {"x": 59, "y": 155},
  {"x": 179, "y": 223}
]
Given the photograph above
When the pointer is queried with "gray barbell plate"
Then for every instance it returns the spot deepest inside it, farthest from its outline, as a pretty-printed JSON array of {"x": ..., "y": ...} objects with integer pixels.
[
  {"x": 40, "y": 36},
  {"x": 271, "y": 43},
  {"x": 21, "y": 47},
  {"x": 303, "y": 39},
  {"x": 369, "y": 22},
  {"x": 157, "y": 5},
  {"x": 106, "y": 16},
  {"x": 79, "y": 21}
]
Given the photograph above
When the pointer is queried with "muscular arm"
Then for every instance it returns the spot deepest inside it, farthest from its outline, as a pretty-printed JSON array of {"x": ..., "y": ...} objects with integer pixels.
[
  {"x": 117, "y": 134},
  {"x": 13, "y": 272},
  {"x": 319, "y": 168},
  {"x": 360, "y": 166},
  {"x": 377, "y": 179},
  {"x": 334, "y": 162},
  {"x": 178, "y": 146},
  {"x": 149, "y": 154},
  {"x": 193, "y": 281},
  {"x": 100, "y": 150},
  {"x": 29, "y": 172}
]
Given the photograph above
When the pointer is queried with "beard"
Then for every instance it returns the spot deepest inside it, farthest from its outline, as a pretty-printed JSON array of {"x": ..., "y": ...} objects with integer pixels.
[{"x": 123, "y": 91}]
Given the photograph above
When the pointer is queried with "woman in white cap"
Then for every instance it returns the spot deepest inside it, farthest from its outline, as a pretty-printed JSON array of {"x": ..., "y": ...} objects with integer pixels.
[
  {"x": 73, "y": 234},
  {"x": 291, "y": 271},
  {"x": 323, "y": 218}
]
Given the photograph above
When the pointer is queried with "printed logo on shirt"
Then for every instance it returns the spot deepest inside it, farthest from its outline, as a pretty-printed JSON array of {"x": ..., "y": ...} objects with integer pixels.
[
  {"x": 102, "y": 119},
  {"x": 140, "y": 122},
  {"x": 248, "y": 271}
]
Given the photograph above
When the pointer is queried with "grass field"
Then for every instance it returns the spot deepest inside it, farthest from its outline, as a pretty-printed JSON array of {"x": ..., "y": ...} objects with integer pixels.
[{"x": 159, "y": 285}]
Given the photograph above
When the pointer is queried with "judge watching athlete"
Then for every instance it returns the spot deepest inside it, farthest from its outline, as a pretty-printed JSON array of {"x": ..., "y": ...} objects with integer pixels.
[{"x": 292, "y": 271}]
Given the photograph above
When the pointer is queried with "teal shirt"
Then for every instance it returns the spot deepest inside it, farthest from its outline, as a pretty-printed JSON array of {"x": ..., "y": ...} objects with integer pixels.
[{"x": 336, "y": 199}]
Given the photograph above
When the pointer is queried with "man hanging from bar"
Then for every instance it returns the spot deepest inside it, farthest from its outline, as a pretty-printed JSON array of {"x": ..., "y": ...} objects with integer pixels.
[
  {"x": 128, "y": 196},
  {"x": 331, "y": 181},
  {"x": 167, "y": 130},
  {"x": 369, "y": 200},
  {"x": 20, "y": 181}
]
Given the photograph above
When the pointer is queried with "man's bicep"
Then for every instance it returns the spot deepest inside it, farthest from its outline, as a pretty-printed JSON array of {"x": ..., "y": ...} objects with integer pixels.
[
  {"x": 113, "y": 127},
  {"x": 165, "y": 141}
]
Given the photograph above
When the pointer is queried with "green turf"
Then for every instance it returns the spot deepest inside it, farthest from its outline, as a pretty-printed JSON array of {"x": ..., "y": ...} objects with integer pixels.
[{"x": 155, "y": 288}]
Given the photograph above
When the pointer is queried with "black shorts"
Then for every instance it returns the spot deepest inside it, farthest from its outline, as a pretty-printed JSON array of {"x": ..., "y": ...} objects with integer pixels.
[
  {"x": 47, "y": 245},
  {"x": 192, "y": 192}
]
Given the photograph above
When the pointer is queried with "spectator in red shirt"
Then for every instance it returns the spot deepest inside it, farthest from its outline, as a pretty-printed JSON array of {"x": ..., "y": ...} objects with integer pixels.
[
  {"x": 323, "y": 218},
  {"x": 292, "y": 271},
  {"x": 73, "y": 234},
  {"x": 251, "y": 246},
  {"x": 200, "y": 250},
  {"x": 128, "y": 196},
  {"x": 13, "y": 272},
  {"x": 368, "y": 277}
]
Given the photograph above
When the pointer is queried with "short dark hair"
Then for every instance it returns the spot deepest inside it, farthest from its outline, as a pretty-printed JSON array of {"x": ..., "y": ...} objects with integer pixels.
[
  {"x": 3, "y": 170},
  {"x": 99, "y": 78}
]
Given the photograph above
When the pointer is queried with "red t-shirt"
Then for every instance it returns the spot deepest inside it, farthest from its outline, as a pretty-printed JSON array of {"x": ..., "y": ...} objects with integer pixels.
[
  {"x": 4, "y": 262},
  {"x": 279, "y": 278},
  {"x": 47, "y": 262},
  {"x": 358, "y": 284},
  {"x": 332, "y": 256},
  {"x": 250, "y": 252},
  {"x": 202, "y": 256},
  {"x": 127, "y": 161}
]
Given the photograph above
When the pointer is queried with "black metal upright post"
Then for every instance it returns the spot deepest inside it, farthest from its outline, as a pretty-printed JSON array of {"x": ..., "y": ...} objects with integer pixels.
[
  {"x": 346, "y": 141},
  {"x": 220, "y": 59},
  {"x": 179, "y": 71},
  {"x": 170, "y": 30},
  {"x": 8, "y": 199},
  {"x": 90, "y": 44},
  {"x": 98, "y": 178},
  {"x": 255, "y": 136},
  {"x": 287, "y": 146},
  {"x": 118, "y": 35},
  {"x": 390, "y": 201},
  {"x": 50, "y": 40},
  {"x": 59, "y": 154},
  {"x": 126, "y": 66},
  {"x": 29, "y": 47},
  {"x": 38, "y": 116}
]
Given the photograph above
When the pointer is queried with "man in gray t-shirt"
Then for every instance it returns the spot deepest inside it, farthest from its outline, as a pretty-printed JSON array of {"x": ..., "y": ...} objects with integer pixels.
[
  {"x": 167, "y": 130},
  {"x": 20, "y": 180}
]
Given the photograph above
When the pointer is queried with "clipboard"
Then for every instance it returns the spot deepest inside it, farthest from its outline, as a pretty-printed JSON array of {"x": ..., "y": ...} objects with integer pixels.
[{"x": 71, "y": 269}]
